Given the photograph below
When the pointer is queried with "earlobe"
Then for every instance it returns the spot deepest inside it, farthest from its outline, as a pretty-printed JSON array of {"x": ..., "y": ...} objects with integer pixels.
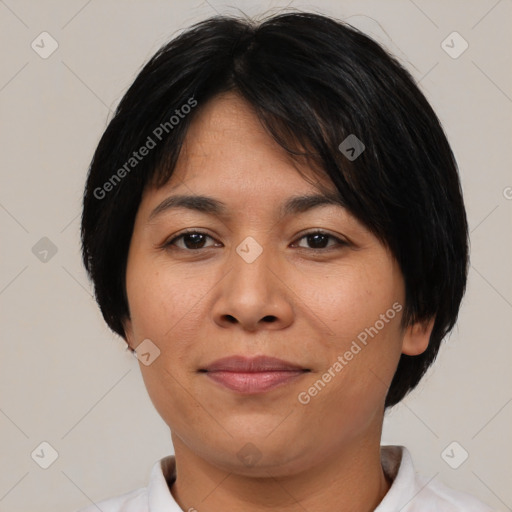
[{"x": 417, "y": 337}]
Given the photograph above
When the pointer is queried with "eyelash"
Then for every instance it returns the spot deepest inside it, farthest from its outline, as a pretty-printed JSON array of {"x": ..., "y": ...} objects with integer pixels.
[{"x": 339, "y": 242}]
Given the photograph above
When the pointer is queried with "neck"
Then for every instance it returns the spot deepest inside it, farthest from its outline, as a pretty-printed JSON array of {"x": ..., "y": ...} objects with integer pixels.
[{"x": 349, "y": 480}]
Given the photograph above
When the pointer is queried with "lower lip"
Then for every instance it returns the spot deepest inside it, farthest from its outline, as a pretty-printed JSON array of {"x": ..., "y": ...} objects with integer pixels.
[{"x": 254, "y": 382}]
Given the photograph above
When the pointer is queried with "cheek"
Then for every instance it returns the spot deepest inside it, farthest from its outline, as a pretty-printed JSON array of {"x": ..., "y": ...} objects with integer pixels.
[
  {"x": 356, "y": 305},
  {"x": 350, "y": 298},
  {"x": 159, "y": 298}
]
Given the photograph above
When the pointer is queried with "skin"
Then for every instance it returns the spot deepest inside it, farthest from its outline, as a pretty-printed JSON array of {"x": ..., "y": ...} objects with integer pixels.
[{"x": 296, "y": 302}]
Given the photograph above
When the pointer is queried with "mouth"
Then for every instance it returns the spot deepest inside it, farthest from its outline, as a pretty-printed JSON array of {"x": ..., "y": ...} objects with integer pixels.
[{"x": 253, "y": 375}]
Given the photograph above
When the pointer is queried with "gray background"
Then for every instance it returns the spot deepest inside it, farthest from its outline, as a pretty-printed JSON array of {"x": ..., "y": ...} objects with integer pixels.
[{"x": 66, "y": 380}]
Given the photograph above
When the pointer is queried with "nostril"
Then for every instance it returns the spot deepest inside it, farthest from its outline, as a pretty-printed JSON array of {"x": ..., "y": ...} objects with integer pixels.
[{"x": 269, "y": 318}]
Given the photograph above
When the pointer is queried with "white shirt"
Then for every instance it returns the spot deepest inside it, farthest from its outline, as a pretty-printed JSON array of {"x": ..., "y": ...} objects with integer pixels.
[{"x": 409, "y": 492}]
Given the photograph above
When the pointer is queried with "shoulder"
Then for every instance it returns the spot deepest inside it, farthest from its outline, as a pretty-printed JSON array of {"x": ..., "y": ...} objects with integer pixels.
[
  {"x": 134, "y": 501},
  {"x": 410, "y": 492},
  {"x": 445, "y": 499}
]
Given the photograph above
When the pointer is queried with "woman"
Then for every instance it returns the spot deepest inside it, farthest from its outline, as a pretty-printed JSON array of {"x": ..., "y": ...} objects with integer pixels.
[{"x": 273, "y": 221}]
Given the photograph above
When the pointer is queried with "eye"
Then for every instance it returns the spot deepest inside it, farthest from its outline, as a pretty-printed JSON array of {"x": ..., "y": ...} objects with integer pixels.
[
  {"x": 320, "y": 240},
  {"x": 192, "y": 240},
  {"x": 195, "y": 240}
]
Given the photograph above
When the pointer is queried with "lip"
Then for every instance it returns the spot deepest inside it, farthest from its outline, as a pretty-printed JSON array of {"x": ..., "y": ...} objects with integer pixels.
[
  {"x": 244, "y": 364},
  {"x": 253, "y": 375}
]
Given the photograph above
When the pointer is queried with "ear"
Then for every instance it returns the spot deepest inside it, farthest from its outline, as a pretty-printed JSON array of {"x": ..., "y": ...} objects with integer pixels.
[{"x": 416, "y": 337}]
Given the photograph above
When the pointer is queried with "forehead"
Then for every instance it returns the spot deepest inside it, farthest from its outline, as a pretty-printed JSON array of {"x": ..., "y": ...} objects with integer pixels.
[
  {"x": 226, "y": 116},
  {"x": 227, "y": 145}
]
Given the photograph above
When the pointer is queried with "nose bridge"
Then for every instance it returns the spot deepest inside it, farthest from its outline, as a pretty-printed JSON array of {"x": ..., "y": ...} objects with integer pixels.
[
  {"x": 251, "y": 294},
  {"x": 250, "y": 272}
]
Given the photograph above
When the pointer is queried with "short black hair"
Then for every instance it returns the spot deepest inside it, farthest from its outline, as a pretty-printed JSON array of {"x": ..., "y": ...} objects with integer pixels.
[{"x": 313, "y": 81}]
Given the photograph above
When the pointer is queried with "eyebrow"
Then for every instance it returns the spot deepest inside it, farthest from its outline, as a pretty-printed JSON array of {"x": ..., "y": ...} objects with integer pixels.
[{"x": 211, "y": 206}]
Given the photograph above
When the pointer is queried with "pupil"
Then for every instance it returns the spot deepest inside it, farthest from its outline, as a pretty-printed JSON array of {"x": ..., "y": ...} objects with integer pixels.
[
  {"x": 314, "y": 239},
  {"x": 196, "y": 238}
]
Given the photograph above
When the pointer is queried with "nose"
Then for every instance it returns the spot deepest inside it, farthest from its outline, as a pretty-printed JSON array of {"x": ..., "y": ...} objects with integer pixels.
[{"x": 254, "y": 295}]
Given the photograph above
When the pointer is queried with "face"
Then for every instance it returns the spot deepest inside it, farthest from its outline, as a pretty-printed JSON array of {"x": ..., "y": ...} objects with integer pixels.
[{"x": 309, "y": 286}]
